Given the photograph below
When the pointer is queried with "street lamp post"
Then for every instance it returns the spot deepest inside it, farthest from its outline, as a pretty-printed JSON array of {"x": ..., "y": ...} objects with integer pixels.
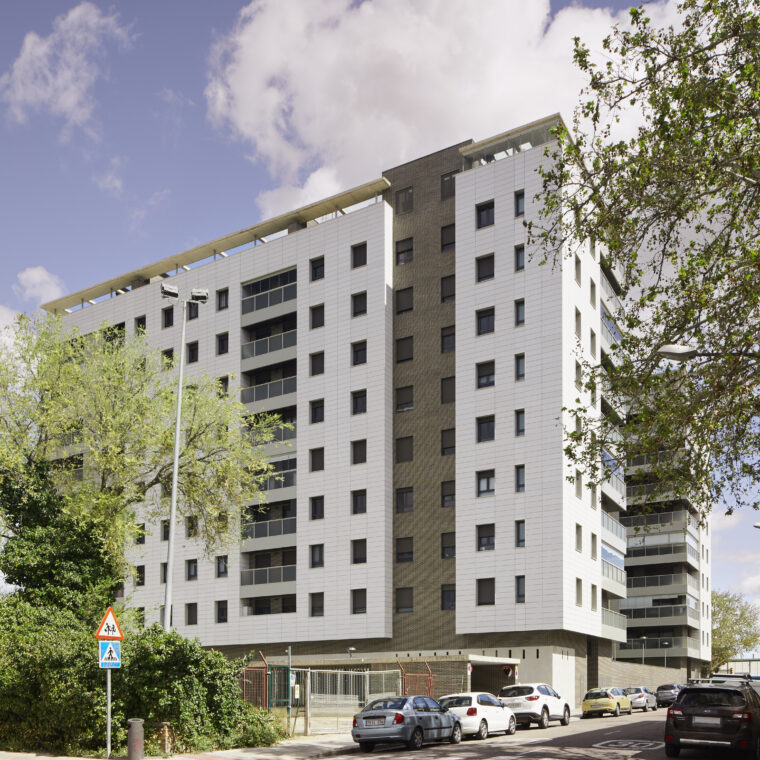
[
  {"x": 665, "y": 645},
  {"x": 643, "y": 647},
  {"x": 197, "y": 295}
]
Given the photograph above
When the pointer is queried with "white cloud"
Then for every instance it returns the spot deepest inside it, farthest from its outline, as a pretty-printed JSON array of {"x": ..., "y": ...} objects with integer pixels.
[
  {"x": 110, "y": 180},
  {"x": 327, "y": 93},
  {"x": 38, "y": 285},
  {"x": 138, "y": 214},
  {"x": 57, "y": 73}
]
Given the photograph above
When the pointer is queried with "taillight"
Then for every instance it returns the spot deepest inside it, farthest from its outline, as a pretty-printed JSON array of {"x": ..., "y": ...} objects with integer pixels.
[
  {"x": 675, "y": 712},
  {"x": 398, "y": 718},
  {"x": 472, "y": 710},
  {"x": 354, "y": 721},
  {"x": 745, "y": 717},
  {"x": 532, "y": 698}
]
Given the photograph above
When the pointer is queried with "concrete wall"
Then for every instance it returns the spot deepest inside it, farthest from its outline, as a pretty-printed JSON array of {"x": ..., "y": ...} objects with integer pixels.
[{"x": 620, "y": 673}]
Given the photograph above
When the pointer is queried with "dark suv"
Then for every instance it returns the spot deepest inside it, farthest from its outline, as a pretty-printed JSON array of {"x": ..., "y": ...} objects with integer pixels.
[{"x": 713, "y": 715}]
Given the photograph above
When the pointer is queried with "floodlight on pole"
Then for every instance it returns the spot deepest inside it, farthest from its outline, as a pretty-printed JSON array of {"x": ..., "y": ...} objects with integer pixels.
[
  {"x": 169, "y": 291},
  {"x": 677, "y": 352}
]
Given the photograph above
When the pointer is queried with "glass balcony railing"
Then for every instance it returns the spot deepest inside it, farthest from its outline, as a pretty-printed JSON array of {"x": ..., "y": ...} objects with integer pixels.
[
  {"x": 610, "y": 524},
  {"x": 669, "y": 642},
  {"x": 614, "y": 619},
  {"x": 283, "y": 479},
  {"x": 263, "y": 391},
  {"x": 669, "y": 519},
  {"x": 662, "y": 549},
  {"x": 260, "y": 575},
  {"x": 610, "y": 295},
  {"x": 611, "y": 327},
  {"x": 673, "y": 579},
  {"x": 672, "y": 611},
  {"x": 267, "y": 345},
  {"x": 270, "y": 298},
  {"x": 613, "y": 573},
  {"x": 267, "y": 528}
]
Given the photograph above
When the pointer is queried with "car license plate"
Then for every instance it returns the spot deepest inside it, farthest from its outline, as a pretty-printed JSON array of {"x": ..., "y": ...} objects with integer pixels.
[
  {"x": 514, "y": 703},
  {"x": 705, "y": 720},
  {"x": 374, "y": 721}
]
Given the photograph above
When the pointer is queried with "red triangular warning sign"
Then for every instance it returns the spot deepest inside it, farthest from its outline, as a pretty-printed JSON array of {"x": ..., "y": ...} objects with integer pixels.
[{"x": 109, "y": 628}]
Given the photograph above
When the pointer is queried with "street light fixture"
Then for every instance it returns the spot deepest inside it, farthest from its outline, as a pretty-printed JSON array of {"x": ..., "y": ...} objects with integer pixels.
[
  {"x": 677, "y": 352},
  {"x": 643, "y": 647},
  {"x": 351, "y": 651},
  {"x": 665, "y": 645},
  {"x": 197, "y": 295}
]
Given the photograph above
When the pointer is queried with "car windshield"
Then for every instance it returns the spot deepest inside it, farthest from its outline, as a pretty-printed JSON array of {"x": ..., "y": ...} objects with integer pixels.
[
  {"x": 516, "y": 691},
  {"x": 596, "y": 694},
  {"x": 666, "y": 687},
  {"x": 711, "y": 698},
  {"x": 632, "y": 690},
  {"x": 456, "y": 701},
  {"x": 387, "y": 703}
]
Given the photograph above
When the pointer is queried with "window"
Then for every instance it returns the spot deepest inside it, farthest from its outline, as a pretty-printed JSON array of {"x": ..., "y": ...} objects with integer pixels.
[
  {"x": 404, "y": 349},
  {"x": 519, "y": 366},
  {"x": 593, "y": 546},
  {"x": 317, "y": 316},
  {"x": 405, "y": 251},
  {"x": 485, "y": 320},
  {"x": 359, "y": 451},
  {"x": 519, "y": 312},
  {"x": 405, "y": 398},
  {"x": 317, "y": 507},
  {"x": 140, "y": 575},
  {"x": 317, "y": 268},
  {"x": 191, "y": 569},
  {"x": 486, "y": 480},
  {"x": 404, "y": 499},
  {"x": 519, "y": 422},
  {"x": 448, "y": 340},
  {"x": 405, "y": 599},
  {"x": 405, "y": 449},
  {"x": 358, "y": 601},
  {"x": 520, "y": 533},
  {"x": 358, "y": 304},
  {"x": 448, "y": 237},
  {"x": 448, "y": 545},
  {"x": 164, "y": 530},
  {"x": 486, "y": 374},
  {"x": 317, "y": 604},
  {"x": 192, "y": 310},
  {"x": 447, "y": 184},
  {"x": 222, "y": 567},
  {"x": 448, "y": 596},
  {"x": 191, "y": 527},
  {"x": 359, "y": 352},
  {"x": 592, "y": 343},
  {"x": 404, "y": 550},
  {"x": 192, "y": 352},
  {"x": 222, "y": 299},
  {"x": 221, "y": 610},
  {"x": 140, "y": 534},
  {"x": 448, "y": 288},
  {"x": 578, "y": 325},
  {"x": 484, "y": 268},
  {"x": 404, "y": 200},
  {"x": 222, "y": 343},
  {"x": 317, "y": 410},
  {"x": 486, "y": 591},
  {"x": 163, "y": 572},
  {"x": 578, "y": 484},
  {"x": 141, "y": 324},
  {"x": 316, "y": 459},
  {"x": 167, "y": 317},
  {"x": 448, "y": 441},
  {"x": 485, "y": 428},
  {"x": 519, "y": 478},
  {"x": 359, "y": 502},
  {"x": 448, "y": 390},
  {"x": 578, "y": 538},
  {"x": 359, "y": 551},
  {"x": 486, "y": 537},
  {"x": 578, "y": 592},
  {"x": 519, "y": 258},
  {"x": 359, "y": 402},
  {"x": 317, "y": 363},
  {"x": 592, "y": 293},
  {"x": 317, "y": 555},
  {"x": 577, "y": 269},
  {"x": 448, "y": 493},
  {"x": 519, "y": 589},
  {"x": 578, "y": 375},
  {"x": 519, "y": 202},
  {"x": 484, "y": 214},
  {"x": 593, "y": 497},
  {"x": 358, "y": 255},
  {"x": 191, "y": 613},
  {"x": 593, "y": 598},
  {"x": 404, "y": 300}
]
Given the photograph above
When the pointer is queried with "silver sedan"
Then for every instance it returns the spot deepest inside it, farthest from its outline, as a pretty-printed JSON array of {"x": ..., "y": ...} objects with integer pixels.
[{"x": 641, "y": 698}]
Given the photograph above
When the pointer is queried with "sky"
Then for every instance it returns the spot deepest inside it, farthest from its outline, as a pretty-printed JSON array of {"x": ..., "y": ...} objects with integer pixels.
[{"x": 132, "y": 131}]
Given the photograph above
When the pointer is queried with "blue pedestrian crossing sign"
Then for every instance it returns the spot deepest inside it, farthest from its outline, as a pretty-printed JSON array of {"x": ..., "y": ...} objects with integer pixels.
[{"x": 110, "y": 654}]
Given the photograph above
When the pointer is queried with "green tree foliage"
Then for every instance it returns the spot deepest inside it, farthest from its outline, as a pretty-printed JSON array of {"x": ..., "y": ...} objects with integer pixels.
[
  {"x": 735, "y": 627},
  {"x": 661, "y": 168}
]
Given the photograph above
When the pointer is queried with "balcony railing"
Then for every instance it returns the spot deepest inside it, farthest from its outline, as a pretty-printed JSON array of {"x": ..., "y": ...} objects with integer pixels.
[
  {"x": 613, "y": 526},
  {"x": 614, "y": 619},
  {"x": 662, "y": 549},
  {"x": 669, "y": 642},
  {"x": 270, "y": 298},
  {"x": 671, "y": 519},
  {"x": 612, "y": 328},
  {"x": 672, "y": 611},
  {"x": 613, "y": 573},
  {"x": 267, "y": 345},
  {"x": 651, "y": 581},
  {"x": 267, "y": 528},
  {"x": 261, "y": 575},
  {"x": 283, "y": 479},
  {"x": 268, "y": 390},
  {"x": 611, "y": 296}
]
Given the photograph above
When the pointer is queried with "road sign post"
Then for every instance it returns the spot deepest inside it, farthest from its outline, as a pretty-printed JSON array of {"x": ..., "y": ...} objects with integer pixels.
[{"x": 109, "y": 637}]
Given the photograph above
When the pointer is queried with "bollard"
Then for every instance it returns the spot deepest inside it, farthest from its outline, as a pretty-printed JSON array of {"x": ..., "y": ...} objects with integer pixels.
[
  {"x": 135, "y": 738},
  {"x": 164, "y": 738}
]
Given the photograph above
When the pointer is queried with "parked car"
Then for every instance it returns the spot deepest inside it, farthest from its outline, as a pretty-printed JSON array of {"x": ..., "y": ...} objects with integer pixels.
[
  {"x": 535, "y": 703},
  {"x": 413, "y": 720},
  {"x": 641, "y": 698},
  {"x": 716, "y": 716},
  {"x": 480, "y": 713},
  {"x": 600, "y": 701},
  {"x": 666, "y": 693}
]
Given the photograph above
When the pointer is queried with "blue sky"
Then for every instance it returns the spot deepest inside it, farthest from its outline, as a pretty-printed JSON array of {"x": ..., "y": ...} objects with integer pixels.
[{"x": 132, "y": 131}]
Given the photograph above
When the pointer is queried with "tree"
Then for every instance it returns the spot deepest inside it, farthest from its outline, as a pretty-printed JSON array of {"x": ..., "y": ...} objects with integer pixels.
[
  {"x": 99, "y": 408},
  {"x": 735, "y": 627},
  {"x": 661, "y": 171}
]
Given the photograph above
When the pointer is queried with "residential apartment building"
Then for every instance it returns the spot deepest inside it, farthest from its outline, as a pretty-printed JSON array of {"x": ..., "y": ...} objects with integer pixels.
[{"x": 425, "y": 504}]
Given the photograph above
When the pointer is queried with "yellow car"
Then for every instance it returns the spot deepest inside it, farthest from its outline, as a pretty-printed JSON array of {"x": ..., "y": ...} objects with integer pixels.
[{"x": 600, "y": 701}]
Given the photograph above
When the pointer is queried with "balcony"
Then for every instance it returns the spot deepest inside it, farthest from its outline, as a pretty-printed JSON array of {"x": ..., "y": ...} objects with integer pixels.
[
  {"x": 266, "y": 391},
  {"x": 611, "y": 525},
  {"x": 267, "y": 528},
  {"x": 614, "y": 625},
  {"x": 268, "y": 345},
  {"x": 673, "y": 583},
  {"x": 613, "y": 579},
  {"x": 670, "y": 615},
  {"x": 679, "y": 520},
  {"x": 261, "y": 575},
  {"x": 679, "y": 552},
  {"x": 610, "y": 295},
  {"x": 671, "y": 646},
  {"x": 270, "y": 298}
]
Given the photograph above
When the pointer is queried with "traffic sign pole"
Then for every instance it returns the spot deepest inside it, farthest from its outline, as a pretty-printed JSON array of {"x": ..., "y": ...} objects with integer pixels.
[
  {"x": 108, "y": 715},
  {"x": 110, "y": 637}
]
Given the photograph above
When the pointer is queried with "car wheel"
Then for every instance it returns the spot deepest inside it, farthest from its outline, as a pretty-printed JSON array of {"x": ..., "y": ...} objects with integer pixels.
[
  {"x": 671, "y": 750},
  {"x": 617, "y": 711},
  {"x": 584, "y": 716},
  {"x": 415, "y": 742},
  {"x": 544, "y": 721},
  {"x": 646, "y": 707},
  {"x": 512, "y": 727},
  {"x": 456, "y": 733},
  {"x": 565, "y": 721},
  {"x": 367, "y": 746},
  {"x": 630, "y": 710},
  {"x": 482, "y": 730}
]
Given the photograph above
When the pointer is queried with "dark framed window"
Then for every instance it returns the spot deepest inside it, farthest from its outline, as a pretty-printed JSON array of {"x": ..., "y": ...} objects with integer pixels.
[
  {"x": 519, "y": 366},
  {"x": 448, "y": 237},
  {"x": 358, "y": 255},
  {"x": 484, "y": 268},
  {"x": 191, "y": 569},
  {"x": 359, "y": 502},
  {"x": 448, "y": 186},
  {"x": 167, "y": 316},
  {"x": 404, "y": 300},
  {"x": 140, "y": 575},
  {"x": 448, "y": 493},
  {"x": 405, "y": 398},
  {"x": 317, "y": 363},
  {"x": 221, "y": 610},
  {"x": 317, "y": 507},
  {"x": 163, "y": 572},
  {"x": 358, "y": 601},
  {"x": 222, "y": 566},
  {"x": 484, "y": 214},
  {"x": 359, "y": 304},
  {"x": 316, "y": 459},
  {"x": 359, "y": 401},
  {"x": 519, "y": 202},
  {"x": 405, "y": 449},
  {"x": 191, "y": 613},
  {"x": 192, "y": 352},
  {"x": 140, "y": 534},
  {"x": 448, "y": 288},
  {"x": 192, "y": 310},
  {"x": 486, "y": 480},
  {"x": 164, "y": 530},
  {"x": 191, "y": 526},
  {"x": 359, "y": 352},
  {"x": 486, "y": 428},
  {"x": 519, "y": 478},
  {"x": 448, "y": 545},
  {"x": 448, "y": 390},
  {"x": 486, "y": 374},
  {"x": 405, "y": 599},
  {"x": 486, "y": 537},
  {"x": 359, "y": 551},
  {"x": 405, "y": 251},
  {"x": 519, "y": 258},
  {"x": 224, "y": 385},
  {"x": 486, "y": 591},
  {"x": 519, "y": 422},
  {"x": 404, "y": 499},
  {"x": 520, "y": 533},
  {"x": 519, "y": 312},
  {"x": 222, "y": 343},
  {"x": 141, "y": 324},
  {"x": 519, "y": 589},
  {"x": 404, "y": 200},
  {"x": 317, "y": 410},
  {"x": 317, "y": 604},
  {"x": 448, "y": 442},
  {"x": 317, "y": 268},
  {"x": 448, "y": 339},
  {"x": 222, "y": 299},
  {"x": 404, "y": 349},
  {"x": 317, "y": 316},
  {"x": 404, "y": 550},
  {"x": 485, "y": 321},
  {"x": 317, "y": 555},
  {"x": 448, "y": 596},
  {"x": 359, "y": 451}
]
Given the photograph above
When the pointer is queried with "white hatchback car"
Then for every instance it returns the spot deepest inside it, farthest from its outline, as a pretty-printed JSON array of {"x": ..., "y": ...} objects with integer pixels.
[
  {"x": 480, "y": 713},
  {"x": 535, "y": 703}
]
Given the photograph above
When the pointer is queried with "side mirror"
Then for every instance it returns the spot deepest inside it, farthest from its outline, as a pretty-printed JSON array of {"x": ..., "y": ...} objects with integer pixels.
[{"x": 444, "y": 709}]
